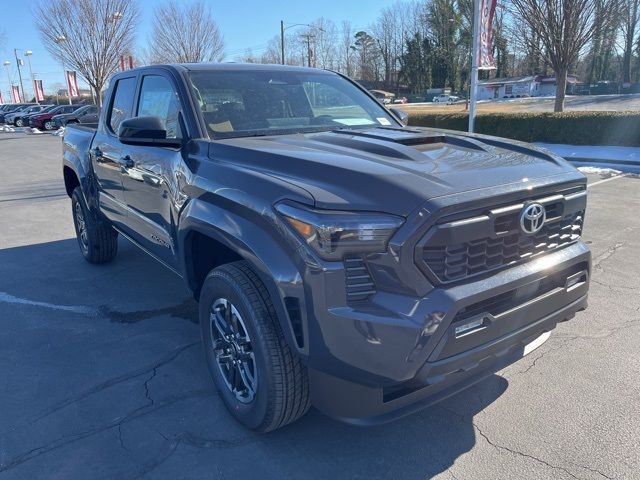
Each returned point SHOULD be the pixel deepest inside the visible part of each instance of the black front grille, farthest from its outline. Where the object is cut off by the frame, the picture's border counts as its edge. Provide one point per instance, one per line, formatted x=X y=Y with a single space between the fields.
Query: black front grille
x=492 y=239
x=359 y=284
x=455 y=262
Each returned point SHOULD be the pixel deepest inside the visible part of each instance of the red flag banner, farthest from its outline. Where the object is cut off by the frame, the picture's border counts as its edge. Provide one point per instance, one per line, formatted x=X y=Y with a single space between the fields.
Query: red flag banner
x=487 y=11
x=15 y=94
x=72 y=84
x=126 y=62
x=39 y=91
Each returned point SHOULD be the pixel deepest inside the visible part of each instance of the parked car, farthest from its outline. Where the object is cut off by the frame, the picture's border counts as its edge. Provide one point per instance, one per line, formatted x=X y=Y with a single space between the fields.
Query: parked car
x=14 y=107
x=44 y=119
x=63 y=119
x=89 y=117
x=27 y=118
x=18 y=118
x=335 y=261
x=444 y=98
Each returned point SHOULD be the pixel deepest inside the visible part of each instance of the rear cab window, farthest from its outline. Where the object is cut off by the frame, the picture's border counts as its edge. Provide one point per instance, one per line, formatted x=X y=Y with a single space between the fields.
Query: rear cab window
x=121 y=104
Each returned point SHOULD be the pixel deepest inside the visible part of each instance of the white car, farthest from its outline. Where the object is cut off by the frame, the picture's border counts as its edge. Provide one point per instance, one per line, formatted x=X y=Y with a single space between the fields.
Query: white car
x=444 y=98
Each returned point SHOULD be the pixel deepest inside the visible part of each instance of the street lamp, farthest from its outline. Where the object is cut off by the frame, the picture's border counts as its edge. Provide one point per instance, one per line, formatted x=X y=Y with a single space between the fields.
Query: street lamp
x=6 y=64
x=19 y=63
x=59 y=40
x=283 y=28
x=28 y=54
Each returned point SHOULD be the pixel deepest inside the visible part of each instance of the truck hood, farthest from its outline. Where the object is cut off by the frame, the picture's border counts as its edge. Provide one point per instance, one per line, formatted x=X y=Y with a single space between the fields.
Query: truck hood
x=393 y=170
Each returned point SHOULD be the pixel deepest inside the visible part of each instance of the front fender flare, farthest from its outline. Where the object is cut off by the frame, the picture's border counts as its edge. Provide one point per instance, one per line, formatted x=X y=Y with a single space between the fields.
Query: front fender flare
x=257 y=244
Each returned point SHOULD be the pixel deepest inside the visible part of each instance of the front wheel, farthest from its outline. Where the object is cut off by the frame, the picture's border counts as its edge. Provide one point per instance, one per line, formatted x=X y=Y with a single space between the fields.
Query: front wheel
x=19 y=122
x=261 y=381
x=48 y=125
x=98 y=242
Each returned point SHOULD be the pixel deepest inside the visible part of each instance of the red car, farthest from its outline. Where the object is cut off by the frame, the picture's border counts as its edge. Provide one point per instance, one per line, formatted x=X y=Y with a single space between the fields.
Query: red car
x=45 y=120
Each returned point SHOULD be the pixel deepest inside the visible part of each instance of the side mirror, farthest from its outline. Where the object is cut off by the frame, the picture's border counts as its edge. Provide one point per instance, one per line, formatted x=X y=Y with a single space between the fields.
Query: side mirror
x=401 y=115
x=148 y=131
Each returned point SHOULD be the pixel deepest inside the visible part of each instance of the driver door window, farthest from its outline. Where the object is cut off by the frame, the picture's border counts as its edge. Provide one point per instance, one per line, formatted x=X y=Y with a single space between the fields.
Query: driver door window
x=158 y=98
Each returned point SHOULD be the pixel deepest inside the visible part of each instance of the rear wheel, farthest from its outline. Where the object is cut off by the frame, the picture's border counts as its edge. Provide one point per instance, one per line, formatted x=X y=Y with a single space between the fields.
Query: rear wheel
x=48 y=125
x=260 y=380
x=98 y=242
x=19 y=122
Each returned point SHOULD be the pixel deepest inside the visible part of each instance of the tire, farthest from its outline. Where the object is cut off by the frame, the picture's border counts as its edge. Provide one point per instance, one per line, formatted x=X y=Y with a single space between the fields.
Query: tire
x=98 y=242
x=19 y=122
x=48 y=125
x=271 y=387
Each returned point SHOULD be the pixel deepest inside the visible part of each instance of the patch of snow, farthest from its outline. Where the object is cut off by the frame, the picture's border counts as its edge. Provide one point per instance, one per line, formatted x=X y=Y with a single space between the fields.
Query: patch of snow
x=610 y=153
x=600 y=171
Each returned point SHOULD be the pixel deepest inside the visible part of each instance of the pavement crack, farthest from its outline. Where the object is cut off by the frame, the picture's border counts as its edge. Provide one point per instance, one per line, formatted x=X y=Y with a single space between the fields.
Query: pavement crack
x=170 y=357
x=117 y=423
x=120 y=438
x=191 y=440
x=542 y=354
x=147 y=393
x=499 y=447
x=597 y=261
x=504 y=448
x=611 y=287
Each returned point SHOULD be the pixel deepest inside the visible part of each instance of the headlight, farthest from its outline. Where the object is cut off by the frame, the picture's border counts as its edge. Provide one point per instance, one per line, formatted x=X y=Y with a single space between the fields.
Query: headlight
x=334 y=234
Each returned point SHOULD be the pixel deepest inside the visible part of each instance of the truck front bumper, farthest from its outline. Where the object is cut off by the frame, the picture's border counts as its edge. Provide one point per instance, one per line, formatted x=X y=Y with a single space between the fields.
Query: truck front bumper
x=370 y=368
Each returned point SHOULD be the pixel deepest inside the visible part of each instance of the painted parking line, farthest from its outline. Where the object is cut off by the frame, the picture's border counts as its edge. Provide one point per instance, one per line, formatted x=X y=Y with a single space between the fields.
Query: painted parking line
x=7 y=298
x=615 y=177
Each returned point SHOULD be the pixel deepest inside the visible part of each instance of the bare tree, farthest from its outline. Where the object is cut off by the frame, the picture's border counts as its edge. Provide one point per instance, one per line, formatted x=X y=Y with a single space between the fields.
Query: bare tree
x=346 y=54
x=88 y=35
x=565 y=27
x=185 y=34
x=629 y=28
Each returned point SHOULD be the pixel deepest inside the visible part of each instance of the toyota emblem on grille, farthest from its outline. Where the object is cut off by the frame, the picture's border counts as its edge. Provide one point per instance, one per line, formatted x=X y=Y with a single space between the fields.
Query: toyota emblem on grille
x=532 y=218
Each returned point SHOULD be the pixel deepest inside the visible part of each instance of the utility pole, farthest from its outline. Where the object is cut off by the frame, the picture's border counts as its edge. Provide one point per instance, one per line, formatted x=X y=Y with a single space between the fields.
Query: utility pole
x=282 y=41
x=475 y=53
x=308 y=37
x=18 y=62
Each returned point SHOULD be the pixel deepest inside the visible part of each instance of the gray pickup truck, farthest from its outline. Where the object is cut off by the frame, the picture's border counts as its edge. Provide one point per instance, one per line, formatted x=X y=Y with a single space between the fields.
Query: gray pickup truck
x=339 y=257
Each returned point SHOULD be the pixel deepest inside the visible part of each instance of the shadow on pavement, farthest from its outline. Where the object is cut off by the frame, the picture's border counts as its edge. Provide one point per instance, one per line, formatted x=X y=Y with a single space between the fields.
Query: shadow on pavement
x=164 y=419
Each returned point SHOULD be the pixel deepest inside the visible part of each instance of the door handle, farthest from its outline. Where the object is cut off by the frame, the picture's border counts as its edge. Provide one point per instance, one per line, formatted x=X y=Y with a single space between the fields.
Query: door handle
x=126 y=161
x=98 y=154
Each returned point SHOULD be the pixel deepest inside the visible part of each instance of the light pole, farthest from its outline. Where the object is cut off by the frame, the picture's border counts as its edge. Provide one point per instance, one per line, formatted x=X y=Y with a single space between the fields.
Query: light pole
x=59 y=40
x=282 y=29
x=28 y=54
x=18 y=64
x=6 y=64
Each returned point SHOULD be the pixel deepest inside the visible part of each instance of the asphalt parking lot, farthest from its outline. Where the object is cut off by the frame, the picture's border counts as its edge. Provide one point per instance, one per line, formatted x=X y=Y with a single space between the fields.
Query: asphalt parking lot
x=102 y=373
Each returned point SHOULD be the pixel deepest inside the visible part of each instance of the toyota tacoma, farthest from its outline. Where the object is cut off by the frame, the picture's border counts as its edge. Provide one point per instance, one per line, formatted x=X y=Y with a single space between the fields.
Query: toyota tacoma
x=340 y=258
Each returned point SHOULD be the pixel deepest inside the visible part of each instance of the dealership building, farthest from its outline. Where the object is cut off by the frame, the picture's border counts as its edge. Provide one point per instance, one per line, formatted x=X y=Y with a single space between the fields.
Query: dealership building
x=531 y=86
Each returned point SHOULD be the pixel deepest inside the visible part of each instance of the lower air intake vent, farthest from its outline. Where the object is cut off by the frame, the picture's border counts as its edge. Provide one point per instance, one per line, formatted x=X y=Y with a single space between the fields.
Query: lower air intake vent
x=359 y=284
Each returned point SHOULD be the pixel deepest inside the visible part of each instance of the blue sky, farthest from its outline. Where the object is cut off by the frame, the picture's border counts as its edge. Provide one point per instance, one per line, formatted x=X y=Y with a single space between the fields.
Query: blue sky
x=244 y=24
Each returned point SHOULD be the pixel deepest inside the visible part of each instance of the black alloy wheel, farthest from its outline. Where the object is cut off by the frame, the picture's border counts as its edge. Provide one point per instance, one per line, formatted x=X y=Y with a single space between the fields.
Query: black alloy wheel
x=232 y=350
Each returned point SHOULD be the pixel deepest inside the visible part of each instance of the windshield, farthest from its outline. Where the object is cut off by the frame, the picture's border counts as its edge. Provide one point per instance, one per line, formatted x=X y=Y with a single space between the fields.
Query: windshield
x=246 y=103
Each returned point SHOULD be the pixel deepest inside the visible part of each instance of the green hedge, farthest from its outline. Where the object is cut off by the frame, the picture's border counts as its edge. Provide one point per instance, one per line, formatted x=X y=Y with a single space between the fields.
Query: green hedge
x=573 y=128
